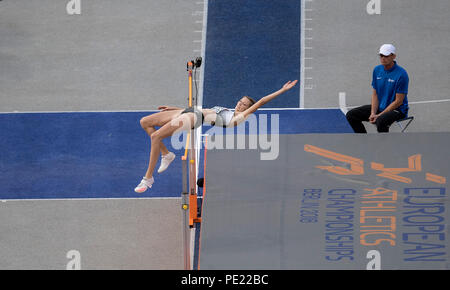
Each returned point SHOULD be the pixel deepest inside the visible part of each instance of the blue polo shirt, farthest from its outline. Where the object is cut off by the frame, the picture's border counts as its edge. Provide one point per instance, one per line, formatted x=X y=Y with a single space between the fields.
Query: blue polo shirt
x=387 y=83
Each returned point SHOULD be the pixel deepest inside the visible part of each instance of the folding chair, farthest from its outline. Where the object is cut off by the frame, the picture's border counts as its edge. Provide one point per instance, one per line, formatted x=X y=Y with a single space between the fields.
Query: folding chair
x=408 y=119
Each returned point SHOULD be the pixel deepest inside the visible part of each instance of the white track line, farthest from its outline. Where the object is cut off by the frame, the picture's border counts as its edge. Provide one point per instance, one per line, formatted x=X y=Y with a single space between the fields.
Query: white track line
x=201 y=96
x=297 y=109
x=64 y=112
x=343 y=102
x=200 y=87
x=428 y=102
x=302 y=55
x=87 y=198
x=416 y=103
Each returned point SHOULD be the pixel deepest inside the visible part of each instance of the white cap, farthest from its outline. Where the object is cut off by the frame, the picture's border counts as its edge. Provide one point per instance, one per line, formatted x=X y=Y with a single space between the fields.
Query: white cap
x=387 y=49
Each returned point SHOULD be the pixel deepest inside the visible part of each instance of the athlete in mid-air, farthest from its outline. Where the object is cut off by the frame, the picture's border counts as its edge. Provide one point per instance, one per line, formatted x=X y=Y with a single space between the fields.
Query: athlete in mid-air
x=172 y=120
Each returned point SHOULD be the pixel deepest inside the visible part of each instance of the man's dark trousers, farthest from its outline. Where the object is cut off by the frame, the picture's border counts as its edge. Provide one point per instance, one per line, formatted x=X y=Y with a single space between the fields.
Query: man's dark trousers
x=357 y=115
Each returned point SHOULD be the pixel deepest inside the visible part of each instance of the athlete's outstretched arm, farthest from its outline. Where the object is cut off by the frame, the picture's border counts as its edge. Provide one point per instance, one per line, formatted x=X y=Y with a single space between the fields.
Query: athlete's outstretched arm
x=264 y=100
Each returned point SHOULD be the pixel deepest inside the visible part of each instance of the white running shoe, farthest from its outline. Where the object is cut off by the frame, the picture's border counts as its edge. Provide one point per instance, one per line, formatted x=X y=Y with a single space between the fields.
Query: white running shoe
x=165 y=161
x=145 y=183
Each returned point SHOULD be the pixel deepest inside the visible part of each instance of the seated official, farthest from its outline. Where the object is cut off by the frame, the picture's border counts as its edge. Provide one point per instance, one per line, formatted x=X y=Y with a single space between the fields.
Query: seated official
x=389 y=95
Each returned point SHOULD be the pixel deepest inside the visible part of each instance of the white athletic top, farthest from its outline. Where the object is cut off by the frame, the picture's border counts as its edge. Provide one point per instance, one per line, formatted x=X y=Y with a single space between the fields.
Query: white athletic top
x=224 y=116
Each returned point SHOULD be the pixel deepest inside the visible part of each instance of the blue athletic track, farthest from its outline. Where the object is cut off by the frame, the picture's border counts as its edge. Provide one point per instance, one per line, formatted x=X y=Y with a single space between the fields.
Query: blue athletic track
x=76 y=155
x=93 y=155
x=252 y=48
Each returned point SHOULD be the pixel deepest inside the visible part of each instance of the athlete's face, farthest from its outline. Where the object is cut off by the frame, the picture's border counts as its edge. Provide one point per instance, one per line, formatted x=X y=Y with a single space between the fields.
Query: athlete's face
x=387 y=60
x=242 y=105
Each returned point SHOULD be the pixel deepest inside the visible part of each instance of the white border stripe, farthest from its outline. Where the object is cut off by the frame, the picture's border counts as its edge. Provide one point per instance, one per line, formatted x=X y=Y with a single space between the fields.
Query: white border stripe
x=415 y=103
x=68 y=112
x=302 y=55
x=297 y=109
x=86 y=199
x=203 y=52
x=343 y=102
x=201 y=87
x=428 y=102
x=200 y=93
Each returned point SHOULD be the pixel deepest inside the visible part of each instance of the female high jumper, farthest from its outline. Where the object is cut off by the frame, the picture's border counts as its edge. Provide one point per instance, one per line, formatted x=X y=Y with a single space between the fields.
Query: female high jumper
x=173 y=120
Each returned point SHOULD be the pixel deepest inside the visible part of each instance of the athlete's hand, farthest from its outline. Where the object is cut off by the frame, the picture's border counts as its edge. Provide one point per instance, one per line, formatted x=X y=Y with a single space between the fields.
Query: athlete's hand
x=289 y=85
